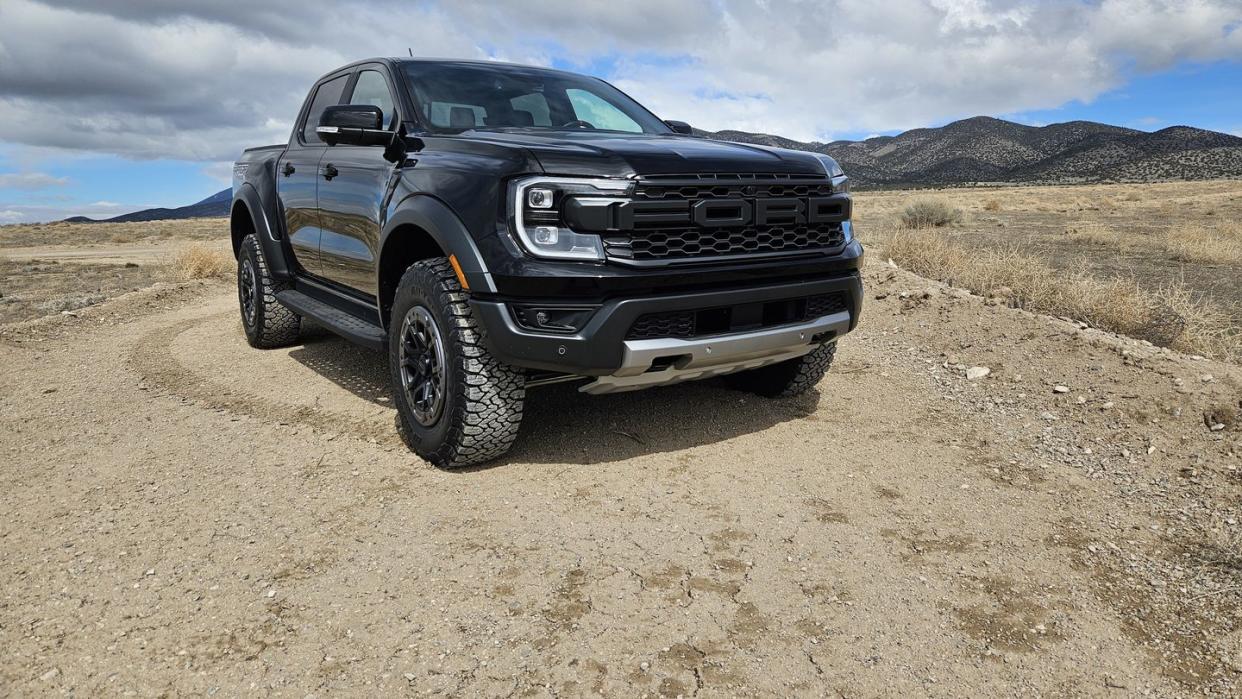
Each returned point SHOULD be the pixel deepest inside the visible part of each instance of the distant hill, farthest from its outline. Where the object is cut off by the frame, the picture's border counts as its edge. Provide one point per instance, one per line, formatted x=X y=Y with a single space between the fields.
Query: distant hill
x=984 y=150
x=216 y=205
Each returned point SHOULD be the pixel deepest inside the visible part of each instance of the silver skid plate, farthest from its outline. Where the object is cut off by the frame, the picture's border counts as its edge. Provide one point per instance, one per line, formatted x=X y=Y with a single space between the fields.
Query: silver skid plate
x=701 y=358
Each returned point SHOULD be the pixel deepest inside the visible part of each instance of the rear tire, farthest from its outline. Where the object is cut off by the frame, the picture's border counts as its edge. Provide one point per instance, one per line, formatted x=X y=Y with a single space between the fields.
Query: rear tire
x=786 y=379
x=457 y=404
x=268 y=324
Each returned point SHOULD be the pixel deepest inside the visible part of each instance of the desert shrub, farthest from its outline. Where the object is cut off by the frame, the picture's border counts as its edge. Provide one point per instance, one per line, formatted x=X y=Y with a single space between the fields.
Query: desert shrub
x=929 y=213
x=991 y=205
x=198 y=261
x=1171 y=316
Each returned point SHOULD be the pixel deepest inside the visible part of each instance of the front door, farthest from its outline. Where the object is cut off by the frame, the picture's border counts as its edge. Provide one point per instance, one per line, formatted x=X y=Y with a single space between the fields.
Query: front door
x=297 y=178
x=353 y=187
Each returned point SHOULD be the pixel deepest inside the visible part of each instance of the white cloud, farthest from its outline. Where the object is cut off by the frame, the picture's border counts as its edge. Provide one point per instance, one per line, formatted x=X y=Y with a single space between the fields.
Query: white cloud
x=220 y=172
x=30 y=180
x=148 y=79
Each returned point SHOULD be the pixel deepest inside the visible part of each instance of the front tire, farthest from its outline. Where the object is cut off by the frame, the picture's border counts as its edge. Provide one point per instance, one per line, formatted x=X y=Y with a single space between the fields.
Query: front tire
x=267 y=323
x=789 y=378
x=457 y=404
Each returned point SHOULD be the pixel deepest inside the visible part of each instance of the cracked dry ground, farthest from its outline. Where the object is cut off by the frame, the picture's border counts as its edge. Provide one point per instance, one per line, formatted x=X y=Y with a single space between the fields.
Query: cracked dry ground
x=181 y=514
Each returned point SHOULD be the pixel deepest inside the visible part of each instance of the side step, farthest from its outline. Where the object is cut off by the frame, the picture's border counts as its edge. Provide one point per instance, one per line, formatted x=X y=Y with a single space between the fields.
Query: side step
x=350 y=327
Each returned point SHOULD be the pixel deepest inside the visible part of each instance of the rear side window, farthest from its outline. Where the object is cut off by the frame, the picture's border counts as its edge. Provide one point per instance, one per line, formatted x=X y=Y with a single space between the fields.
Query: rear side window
x=372 y=89
x=326 y=95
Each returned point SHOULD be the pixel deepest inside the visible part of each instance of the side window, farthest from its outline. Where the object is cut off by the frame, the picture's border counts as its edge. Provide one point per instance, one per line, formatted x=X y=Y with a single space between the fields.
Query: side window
x=372 y=89
x=328 y=94
x=534 y=104
x=594 y=109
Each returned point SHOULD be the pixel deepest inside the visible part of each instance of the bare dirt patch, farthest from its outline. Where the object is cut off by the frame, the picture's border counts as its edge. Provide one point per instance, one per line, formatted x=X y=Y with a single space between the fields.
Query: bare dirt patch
x=39 y=287
x=181 y=514
x=50 y=279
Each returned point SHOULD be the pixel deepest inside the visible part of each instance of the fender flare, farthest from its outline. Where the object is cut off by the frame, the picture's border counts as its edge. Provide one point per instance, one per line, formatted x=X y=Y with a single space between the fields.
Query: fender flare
x=273 y=251
x=446 y=229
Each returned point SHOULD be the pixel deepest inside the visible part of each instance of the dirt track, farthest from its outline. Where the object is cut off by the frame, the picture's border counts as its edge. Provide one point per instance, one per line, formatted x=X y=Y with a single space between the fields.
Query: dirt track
x=182 y=514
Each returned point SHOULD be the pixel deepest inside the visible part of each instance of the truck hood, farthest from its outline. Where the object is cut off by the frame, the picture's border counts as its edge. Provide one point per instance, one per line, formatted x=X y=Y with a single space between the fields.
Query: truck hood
x=611 y=154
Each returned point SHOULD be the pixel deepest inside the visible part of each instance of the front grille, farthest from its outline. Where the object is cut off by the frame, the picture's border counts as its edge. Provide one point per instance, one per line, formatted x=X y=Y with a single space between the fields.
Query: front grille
x=739 y=318
x=671 y=324
x=650 y=239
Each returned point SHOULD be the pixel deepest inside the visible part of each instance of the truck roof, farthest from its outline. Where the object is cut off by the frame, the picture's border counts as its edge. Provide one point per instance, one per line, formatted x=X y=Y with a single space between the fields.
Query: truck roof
x=396 y=61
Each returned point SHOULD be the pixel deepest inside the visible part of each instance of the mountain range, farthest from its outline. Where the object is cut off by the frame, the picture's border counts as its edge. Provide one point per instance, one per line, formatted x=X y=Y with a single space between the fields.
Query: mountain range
x=216 y=205
x=984 y=150
x=976 y=151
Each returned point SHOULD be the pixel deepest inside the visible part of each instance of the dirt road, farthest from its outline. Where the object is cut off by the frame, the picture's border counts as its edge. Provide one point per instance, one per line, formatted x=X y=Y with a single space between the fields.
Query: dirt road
x=182 y=514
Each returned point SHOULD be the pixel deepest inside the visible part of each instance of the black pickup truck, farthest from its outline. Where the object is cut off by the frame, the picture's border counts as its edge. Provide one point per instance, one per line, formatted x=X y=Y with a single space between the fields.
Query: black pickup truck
x=494 y=227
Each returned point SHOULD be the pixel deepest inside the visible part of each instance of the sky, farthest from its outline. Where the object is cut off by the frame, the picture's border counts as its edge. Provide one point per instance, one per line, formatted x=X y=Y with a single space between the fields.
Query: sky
x=109 y=106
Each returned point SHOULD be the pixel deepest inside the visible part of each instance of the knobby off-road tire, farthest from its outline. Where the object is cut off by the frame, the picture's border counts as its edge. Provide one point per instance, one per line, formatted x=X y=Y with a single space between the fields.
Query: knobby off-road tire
x=268 y=324
x=789 y=378
x=481 y=407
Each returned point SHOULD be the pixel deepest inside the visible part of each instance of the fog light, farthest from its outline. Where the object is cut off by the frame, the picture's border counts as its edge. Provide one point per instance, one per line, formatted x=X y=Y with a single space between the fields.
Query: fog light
x=539 y=198
x=557 y=320
x=546 y=235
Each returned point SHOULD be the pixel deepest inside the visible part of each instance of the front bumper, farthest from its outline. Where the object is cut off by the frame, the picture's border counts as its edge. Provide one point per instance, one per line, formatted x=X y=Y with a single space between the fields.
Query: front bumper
x=601 y=349
x=661 y=362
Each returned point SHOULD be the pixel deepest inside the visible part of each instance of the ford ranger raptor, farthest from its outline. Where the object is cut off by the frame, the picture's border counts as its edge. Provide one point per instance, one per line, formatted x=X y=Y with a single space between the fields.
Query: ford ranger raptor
x=495 y=227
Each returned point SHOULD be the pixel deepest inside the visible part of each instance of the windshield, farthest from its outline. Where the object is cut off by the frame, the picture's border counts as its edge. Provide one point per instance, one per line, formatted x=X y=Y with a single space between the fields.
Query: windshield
x=454 y=97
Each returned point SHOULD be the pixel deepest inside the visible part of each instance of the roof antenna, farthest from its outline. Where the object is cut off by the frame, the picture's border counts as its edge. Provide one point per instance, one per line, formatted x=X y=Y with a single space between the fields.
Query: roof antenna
x=411 y=51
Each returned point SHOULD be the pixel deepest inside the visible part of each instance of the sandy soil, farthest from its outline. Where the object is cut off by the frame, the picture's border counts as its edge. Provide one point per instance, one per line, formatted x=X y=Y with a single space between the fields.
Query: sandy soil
x=182 y=514
x=107 y=254
x=48 y=279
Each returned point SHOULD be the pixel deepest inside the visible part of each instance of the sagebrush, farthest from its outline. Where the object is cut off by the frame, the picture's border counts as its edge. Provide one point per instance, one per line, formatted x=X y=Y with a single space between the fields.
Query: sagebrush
x=199 y=261
x=930 y=213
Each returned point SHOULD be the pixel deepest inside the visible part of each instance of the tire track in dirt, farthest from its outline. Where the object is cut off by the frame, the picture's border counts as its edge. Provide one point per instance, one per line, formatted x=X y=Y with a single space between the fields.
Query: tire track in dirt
x=153 y=361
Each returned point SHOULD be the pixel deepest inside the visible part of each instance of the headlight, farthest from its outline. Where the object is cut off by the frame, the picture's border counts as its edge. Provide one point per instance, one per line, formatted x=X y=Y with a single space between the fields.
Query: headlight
x=537 y=216
x=833 y=169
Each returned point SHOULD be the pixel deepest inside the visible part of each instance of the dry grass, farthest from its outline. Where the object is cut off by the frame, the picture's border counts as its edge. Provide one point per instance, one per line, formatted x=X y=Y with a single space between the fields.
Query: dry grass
x=199 y=261
x=1211 y=245
x=929 y=213
x=1093 y=233
x=77 y=234
x=1169 y=316
x=1218 y=244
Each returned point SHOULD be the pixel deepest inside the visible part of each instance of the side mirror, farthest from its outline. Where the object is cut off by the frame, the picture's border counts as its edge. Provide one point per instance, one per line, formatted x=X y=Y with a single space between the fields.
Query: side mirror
x=680 y=127
x=353 y=125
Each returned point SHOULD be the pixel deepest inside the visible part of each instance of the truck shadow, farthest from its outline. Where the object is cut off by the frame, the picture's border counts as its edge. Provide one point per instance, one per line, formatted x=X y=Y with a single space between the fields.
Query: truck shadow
x=563 y=425
x=358 y=370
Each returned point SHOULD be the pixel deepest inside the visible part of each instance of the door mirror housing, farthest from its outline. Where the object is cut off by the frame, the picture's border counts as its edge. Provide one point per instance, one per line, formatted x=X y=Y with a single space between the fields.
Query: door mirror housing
x=680 y=127
x=353 y=125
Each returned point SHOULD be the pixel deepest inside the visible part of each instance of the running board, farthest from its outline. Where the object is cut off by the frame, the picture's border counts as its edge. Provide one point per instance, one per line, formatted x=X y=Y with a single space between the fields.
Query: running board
x=350 y=327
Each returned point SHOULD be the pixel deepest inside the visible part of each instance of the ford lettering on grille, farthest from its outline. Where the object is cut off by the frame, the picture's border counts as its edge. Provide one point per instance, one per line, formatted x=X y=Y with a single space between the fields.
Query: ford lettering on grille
x=716 y=213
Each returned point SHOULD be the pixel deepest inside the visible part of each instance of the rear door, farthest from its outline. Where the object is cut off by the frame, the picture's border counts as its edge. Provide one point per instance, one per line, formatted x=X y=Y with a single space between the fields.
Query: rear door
x=297 y=176
x=353 y=190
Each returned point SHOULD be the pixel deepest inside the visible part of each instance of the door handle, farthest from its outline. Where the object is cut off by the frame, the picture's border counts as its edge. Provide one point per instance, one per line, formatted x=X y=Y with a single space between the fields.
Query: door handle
x=288 y=169
x=329 y=171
